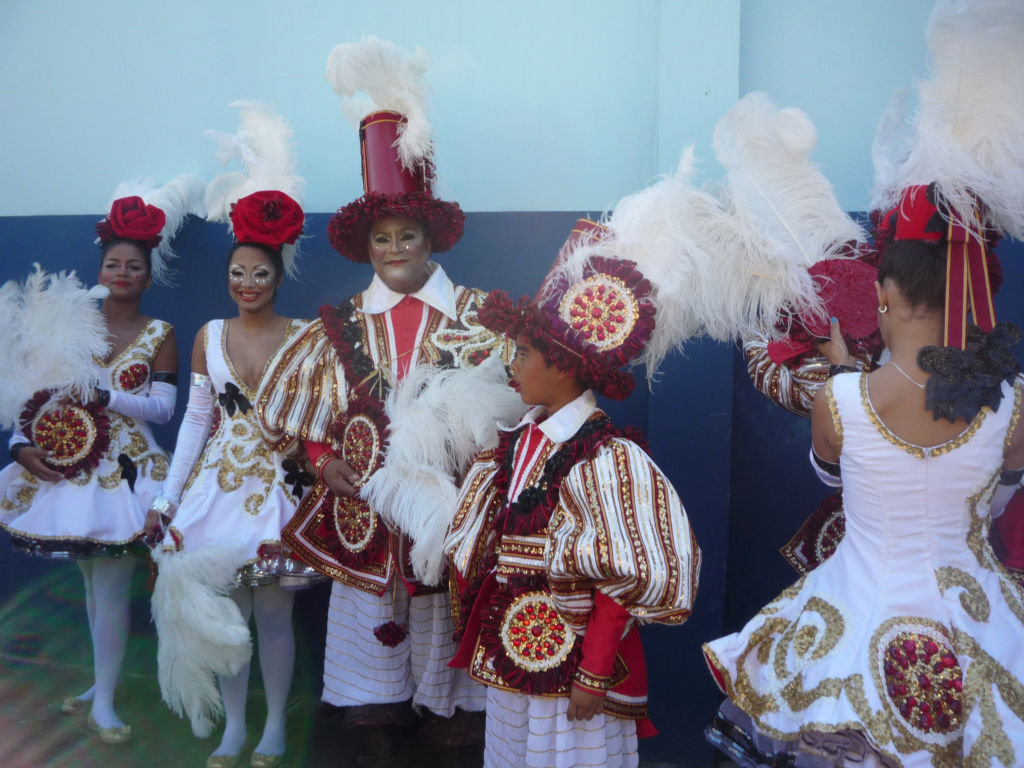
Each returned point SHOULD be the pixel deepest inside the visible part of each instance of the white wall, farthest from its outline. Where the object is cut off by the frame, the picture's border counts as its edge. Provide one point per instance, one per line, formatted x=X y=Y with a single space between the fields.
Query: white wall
x=538 y=104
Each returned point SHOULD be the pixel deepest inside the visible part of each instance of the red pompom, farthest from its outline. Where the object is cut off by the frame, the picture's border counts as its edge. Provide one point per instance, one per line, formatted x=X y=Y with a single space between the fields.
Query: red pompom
x=131 y=219
x=269 y=217
x=391 y=634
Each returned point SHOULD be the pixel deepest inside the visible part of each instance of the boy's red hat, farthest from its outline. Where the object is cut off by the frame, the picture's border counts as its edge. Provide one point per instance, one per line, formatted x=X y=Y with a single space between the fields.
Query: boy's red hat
x=589 y=322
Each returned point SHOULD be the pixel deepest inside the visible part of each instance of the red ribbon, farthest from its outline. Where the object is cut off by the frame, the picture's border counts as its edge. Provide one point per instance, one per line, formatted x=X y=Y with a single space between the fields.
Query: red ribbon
x=967 y=280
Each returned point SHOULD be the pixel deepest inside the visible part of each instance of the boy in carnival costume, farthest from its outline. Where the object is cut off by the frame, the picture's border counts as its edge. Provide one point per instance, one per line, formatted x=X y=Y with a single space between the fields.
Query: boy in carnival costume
x=389 y=635
x=568 y=536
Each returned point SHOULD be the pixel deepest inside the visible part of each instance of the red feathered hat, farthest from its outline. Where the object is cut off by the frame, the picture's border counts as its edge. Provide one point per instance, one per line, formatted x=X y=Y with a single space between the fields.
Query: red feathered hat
x=391 y=189
x=589 y=319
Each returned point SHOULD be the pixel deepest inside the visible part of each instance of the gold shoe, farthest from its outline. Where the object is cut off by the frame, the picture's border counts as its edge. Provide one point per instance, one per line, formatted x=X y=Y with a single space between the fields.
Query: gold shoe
x=73 y=705
x=263 y=760
x=222 y=761
x=116 y=735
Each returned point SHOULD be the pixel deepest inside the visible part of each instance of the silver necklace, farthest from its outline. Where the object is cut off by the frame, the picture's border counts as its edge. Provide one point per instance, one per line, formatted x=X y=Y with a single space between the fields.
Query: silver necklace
x=906 y=375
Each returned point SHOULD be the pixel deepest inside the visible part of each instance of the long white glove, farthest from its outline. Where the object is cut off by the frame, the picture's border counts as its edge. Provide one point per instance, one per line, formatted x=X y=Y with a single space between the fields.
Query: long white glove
x=156 y=407
x=192 y=436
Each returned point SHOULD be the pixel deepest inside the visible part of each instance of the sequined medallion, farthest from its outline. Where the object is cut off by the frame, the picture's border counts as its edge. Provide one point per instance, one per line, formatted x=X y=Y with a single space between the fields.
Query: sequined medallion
x=533 y=634
x=600 y=309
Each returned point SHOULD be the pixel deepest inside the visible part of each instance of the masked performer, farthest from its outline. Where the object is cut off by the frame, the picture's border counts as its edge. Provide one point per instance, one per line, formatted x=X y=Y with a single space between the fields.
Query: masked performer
x=227 y=495
x=388 y=633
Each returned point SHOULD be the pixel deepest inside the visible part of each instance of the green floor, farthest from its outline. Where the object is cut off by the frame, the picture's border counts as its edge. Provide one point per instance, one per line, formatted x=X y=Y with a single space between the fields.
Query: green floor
x=45 y=655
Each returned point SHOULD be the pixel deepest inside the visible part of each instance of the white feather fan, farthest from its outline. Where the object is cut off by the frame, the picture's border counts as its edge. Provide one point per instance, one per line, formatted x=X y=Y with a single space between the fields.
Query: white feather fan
x=393 y=80
x=200 y=631
x=264 y=143
x=969 y=126
x=53 y=333
x=177 y=199
x=440 y=419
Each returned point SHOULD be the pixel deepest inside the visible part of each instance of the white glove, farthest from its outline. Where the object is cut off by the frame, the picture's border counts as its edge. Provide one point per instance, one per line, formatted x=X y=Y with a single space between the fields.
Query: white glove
x=192 y=436
x=156 y=407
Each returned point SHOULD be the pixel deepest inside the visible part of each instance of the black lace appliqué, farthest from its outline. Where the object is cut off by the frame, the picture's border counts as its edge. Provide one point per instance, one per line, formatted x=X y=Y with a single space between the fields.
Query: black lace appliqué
x=963 y=381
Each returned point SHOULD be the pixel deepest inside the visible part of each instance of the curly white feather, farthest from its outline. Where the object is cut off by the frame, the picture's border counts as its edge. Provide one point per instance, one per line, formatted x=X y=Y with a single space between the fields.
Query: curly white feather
x=393 y=80
x=891 y=146
x=178 y=198
x=54 y=333
x=969 y=127
x=440 y=419
x=772 y=183
x=200 y=631
x=264 y=144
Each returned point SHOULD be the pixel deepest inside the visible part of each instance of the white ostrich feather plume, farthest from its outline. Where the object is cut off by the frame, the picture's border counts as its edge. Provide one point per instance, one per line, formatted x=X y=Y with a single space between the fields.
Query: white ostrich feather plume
x=264 y=144
x=890 y=149
x=178 y=198
x=782 y=216
x=393 y=80
x=772 y=184
x=969 y=126
x=440 y=419
x=53 y=333
x=200 y=631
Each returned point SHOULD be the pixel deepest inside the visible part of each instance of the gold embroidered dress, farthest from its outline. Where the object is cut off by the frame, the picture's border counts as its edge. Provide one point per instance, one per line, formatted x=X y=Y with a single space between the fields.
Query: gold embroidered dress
x=95 y=512
x=912 y=632
x=238 y=493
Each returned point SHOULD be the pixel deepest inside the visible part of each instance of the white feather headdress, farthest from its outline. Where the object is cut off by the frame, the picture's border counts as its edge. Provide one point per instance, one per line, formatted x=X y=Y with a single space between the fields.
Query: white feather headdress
x=53 y=334
x=177 y=199
x=393 y=80
x=264 y=143
x=968 y=130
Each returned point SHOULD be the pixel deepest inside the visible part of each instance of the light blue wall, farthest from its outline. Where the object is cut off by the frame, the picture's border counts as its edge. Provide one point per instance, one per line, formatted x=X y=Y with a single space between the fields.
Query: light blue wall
x=538 y=104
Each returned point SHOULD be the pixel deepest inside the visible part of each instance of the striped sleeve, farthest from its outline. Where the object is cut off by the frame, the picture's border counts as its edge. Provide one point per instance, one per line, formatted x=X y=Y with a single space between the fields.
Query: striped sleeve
x=303 y=390
x=620 y=528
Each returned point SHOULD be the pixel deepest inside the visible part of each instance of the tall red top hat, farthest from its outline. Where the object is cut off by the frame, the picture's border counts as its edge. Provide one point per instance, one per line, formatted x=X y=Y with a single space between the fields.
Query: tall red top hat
x=392 y=190
x=396 y=147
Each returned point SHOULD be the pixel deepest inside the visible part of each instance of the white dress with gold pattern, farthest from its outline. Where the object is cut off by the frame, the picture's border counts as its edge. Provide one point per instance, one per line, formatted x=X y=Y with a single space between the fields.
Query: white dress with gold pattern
x=239 y=494
x=912 y=632
x=95 y=512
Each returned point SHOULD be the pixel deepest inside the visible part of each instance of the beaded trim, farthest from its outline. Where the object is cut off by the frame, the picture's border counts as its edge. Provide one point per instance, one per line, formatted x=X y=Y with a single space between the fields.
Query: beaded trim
x=591 y=683
x=919 y=451
x=1018 y=390
x=833 y=409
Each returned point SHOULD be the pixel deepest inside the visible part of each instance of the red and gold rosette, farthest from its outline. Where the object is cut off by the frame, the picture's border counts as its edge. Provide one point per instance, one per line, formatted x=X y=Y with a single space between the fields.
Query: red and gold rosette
x=362 y=434
x=75 y=435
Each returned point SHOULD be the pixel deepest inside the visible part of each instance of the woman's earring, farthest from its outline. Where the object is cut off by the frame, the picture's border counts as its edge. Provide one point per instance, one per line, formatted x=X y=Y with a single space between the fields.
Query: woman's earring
x=882 y=309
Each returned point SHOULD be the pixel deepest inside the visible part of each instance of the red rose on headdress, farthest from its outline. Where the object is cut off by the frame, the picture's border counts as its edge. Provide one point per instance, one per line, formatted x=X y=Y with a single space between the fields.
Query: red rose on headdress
x=269 y=217
x=131 y=219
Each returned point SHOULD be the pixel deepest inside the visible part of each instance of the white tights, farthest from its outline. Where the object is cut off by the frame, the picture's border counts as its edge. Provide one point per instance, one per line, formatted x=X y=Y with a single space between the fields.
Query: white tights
x=107 y=591
x=272 y=607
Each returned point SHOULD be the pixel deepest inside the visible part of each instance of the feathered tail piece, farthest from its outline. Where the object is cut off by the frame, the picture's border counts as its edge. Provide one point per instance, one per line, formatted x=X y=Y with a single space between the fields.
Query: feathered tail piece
x=968 y=131
x=440 y=419
x=264 y=144
x=200 y=631
x=178 y=198
x=53 y=332
x=393 y=80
